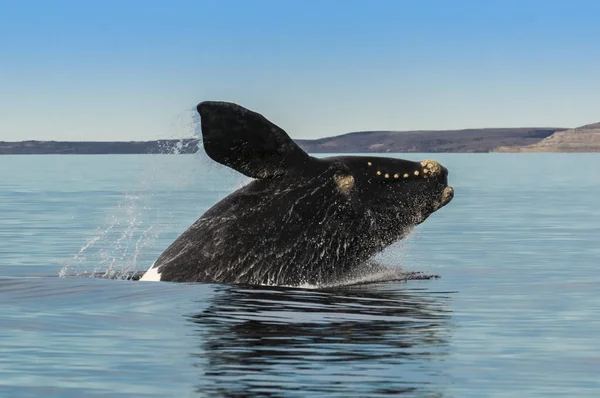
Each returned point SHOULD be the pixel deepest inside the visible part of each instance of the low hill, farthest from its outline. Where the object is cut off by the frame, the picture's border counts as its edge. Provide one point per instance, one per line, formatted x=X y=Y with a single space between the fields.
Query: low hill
x=469 y=140
x=98 y=147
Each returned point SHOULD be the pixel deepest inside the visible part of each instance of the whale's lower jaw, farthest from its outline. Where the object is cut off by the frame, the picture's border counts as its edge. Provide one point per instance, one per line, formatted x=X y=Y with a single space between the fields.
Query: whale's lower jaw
x=152 y=275
x=447 y=196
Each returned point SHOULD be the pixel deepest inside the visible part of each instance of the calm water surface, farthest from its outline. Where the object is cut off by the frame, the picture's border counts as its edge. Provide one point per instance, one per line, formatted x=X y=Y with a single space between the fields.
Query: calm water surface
x=516 y=311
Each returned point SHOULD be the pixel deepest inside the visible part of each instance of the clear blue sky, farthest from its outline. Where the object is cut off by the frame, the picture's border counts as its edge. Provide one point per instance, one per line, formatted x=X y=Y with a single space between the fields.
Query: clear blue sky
x=126 y=70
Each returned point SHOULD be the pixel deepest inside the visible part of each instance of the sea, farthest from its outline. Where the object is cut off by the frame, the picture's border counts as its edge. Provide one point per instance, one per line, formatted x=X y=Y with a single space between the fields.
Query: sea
x=515 y=311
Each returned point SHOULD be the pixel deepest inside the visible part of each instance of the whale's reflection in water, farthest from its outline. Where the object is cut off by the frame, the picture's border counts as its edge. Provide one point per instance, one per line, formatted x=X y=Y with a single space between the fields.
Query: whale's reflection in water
x=356 y=341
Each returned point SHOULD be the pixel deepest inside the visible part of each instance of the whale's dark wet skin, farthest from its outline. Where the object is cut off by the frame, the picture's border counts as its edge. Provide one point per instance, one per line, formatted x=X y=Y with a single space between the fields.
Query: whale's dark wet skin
x=302 y=220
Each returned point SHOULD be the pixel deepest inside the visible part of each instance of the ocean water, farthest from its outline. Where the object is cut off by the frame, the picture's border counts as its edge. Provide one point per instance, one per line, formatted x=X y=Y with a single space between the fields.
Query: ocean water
x=515 y=312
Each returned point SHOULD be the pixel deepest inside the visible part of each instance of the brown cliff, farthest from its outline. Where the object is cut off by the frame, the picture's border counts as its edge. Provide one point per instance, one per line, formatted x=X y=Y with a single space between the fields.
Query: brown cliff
x=582 y=139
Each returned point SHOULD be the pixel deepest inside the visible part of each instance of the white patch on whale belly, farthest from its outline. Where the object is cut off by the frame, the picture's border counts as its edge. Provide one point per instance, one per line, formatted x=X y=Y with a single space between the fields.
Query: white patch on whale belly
x=152 y=275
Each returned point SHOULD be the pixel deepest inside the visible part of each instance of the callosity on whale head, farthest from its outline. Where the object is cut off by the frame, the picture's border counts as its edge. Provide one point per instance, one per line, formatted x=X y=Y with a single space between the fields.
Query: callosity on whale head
x=302 y=220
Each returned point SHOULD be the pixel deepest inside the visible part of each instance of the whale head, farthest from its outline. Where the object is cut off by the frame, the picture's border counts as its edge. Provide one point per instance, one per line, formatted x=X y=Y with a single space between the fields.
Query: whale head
x=402 y=191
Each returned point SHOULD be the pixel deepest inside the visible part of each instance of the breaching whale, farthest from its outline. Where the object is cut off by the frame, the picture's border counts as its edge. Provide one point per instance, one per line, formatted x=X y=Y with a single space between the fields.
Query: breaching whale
x=302 y=220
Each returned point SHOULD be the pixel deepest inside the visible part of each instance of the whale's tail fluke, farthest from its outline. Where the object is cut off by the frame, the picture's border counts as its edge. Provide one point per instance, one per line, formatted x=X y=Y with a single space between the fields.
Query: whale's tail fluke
x=246 y=141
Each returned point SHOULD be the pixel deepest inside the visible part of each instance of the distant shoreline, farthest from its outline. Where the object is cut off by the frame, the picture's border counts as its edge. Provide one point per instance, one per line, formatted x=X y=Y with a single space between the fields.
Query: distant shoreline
x=444 y=141
x=183 y=146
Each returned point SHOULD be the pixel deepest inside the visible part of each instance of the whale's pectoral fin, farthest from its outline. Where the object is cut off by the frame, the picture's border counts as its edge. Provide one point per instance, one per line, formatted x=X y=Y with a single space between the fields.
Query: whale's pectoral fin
x=246 y=141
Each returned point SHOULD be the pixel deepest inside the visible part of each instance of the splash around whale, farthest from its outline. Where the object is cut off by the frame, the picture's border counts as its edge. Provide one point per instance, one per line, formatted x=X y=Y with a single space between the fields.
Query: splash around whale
x=302 y=220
